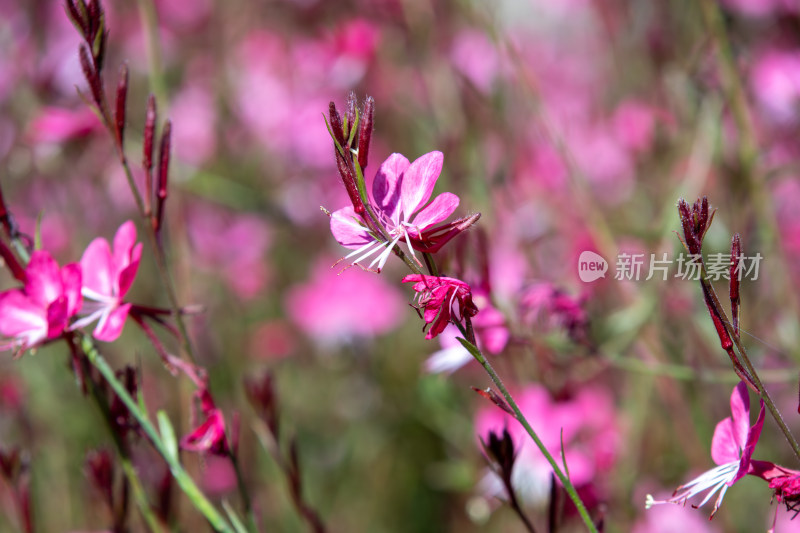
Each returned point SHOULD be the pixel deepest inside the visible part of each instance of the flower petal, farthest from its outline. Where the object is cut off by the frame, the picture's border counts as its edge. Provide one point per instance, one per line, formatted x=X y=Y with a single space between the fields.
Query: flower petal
x=723 y=445
x=71 y=280
x=127 y=274
x=418 y=182
x=387 y=184
x=347 y=231
x=740 y=411
x=124 y=241
x=19 y=315
x=752 y=439
x=43 y=279
x=97 y=265
x=110 y=326
x=438 y=210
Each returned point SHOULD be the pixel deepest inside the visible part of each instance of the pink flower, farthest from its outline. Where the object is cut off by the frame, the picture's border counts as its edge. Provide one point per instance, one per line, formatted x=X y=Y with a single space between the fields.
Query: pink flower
x=400 y=191
x=107 y=276
x=42 y=309
x=208 y=437
x=731 y=449
x=436 y=296
x=333 y=308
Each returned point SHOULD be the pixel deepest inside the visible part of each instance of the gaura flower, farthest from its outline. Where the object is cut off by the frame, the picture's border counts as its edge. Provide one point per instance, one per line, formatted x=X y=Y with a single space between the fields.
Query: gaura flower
x=208 y=437
x=400 y=191
x=107 y=276
x=731 y=449
x=436 y=296
x=42 y=308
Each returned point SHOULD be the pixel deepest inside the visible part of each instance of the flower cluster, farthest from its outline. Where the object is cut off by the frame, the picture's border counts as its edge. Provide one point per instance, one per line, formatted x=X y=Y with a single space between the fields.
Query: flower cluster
x=43 y=309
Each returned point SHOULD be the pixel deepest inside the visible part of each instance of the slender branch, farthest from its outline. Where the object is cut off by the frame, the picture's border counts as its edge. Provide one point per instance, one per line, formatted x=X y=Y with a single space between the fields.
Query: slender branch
x=568 y=486
x=183 y=479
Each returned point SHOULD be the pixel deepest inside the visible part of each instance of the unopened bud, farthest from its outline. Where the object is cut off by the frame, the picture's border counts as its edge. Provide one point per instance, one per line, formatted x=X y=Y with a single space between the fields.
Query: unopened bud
x=365 y=132
x=122 y=96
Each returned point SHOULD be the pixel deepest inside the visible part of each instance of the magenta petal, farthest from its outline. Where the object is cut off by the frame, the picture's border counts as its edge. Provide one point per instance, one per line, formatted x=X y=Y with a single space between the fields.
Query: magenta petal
x=387 y=184
x=110 y=327
x=438 y=210
x=752 y=439
x=723 y=445
x=740 y=411
x=18 y=314
x=124 y=241
x=418 y=182
x=71 y=280
x=127 y=274
x=43 y=279
x=56 y=317
x=346 y=230
x=98 y=267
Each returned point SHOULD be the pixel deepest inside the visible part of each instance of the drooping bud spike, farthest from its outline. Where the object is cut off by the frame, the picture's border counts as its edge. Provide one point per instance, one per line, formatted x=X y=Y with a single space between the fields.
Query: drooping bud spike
x=77 y=17
x=365 y=132
x=92 y=78
x=350 y=114
x=149 y=132
x=163 y=172
x=122 y=97
x=336 y=124
x=735 y=277
x=349 y=179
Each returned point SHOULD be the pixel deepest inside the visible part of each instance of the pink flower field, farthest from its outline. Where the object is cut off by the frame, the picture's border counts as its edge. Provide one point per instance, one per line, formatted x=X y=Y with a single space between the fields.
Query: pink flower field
x=400 y=266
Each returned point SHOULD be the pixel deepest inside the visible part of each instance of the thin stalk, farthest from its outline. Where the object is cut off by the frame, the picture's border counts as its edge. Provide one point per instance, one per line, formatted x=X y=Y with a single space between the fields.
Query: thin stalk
x=568 y=486
x=187 y=484
x=243 y=493
x=748 y=365
x=573 y=494
x=124 y=457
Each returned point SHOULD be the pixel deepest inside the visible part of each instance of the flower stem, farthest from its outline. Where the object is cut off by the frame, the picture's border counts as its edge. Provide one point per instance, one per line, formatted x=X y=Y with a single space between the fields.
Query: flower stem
x=187 y=484
x=748 y=365
x=568 y=486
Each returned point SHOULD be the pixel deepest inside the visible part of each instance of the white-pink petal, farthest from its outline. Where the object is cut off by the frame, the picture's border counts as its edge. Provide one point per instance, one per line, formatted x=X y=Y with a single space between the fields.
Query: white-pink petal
x=438 y=210
x=346 y=229
x=418 y=182
x=387 y=185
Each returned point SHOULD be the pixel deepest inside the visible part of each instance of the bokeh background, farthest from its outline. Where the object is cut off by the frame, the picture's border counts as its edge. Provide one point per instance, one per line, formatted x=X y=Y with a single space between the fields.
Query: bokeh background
x=570 y=125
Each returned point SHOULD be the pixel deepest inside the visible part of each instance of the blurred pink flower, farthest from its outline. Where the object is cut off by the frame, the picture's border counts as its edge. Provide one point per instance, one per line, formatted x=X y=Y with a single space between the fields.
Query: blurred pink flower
x=436 y=296
x=634 y=125
x=775 y=81
x=400 y=191
x=587 y=423
x=42 y=309
x=761 y=8
x=194 y=127
x=107 y=277
x=476 y=58
x=670 y=519
x=57 y=124
x=232 y=244
x=731 y=449
x=333 y=308
x=209 y=436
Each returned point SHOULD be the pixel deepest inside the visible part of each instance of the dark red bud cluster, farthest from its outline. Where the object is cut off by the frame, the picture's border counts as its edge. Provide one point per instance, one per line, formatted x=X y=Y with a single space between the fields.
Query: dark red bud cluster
x=735 y=274
x=695 y=221
x=352 y=133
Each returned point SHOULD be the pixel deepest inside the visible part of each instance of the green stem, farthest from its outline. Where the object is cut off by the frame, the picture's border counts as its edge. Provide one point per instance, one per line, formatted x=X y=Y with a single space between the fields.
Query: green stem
x=748 y=365
x=183 y=479
x=568 y=486
x=573 y=494
x=243 y=493
x=124 y=455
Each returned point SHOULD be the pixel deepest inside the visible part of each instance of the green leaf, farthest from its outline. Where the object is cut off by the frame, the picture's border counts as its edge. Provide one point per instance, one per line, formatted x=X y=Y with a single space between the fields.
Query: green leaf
x=167 y=435
x=472 y=349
